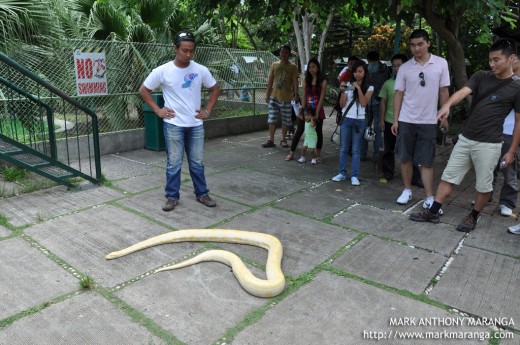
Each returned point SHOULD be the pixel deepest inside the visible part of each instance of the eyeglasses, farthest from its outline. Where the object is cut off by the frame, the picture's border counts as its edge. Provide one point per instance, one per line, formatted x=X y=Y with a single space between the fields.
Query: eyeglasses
x=423 y=82
x=184 y=36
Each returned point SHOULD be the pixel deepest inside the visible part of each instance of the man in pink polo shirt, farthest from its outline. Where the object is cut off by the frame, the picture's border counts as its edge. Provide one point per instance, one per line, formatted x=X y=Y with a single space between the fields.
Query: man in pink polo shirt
x=421 y=84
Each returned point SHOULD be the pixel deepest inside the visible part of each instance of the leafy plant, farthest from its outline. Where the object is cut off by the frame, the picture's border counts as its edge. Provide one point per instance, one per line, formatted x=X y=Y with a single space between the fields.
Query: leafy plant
x=12 y=174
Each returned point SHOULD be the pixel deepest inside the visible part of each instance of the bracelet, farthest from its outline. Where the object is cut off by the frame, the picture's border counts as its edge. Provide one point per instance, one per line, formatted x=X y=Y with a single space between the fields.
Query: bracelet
x=207 y=112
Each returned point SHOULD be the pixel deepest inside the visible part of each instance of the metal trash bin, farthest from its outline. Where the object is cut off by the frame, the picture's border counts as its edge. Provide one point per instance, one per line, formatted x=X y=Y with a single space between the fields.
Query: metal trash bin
x=153 y=125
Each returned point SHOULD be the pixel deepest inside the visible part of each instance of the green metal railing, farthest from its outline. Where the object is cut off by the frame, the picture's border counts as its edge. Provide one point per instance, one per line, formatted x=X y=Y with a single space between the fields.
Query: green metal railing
x=44 y=118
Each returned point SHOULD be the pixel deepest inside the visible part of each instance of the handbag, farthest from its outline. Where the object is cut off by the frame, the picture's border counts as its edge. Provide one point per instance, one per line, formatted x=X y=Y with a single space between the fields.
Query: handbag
x=370 y=134
x=335 y=136
x=477 y=98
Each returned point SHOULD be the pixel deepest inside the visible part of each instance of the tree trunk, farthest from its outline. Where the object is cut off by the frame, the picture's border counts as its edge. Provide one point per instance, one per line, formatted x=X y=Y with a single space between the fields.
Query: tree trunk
x=298 y=34
x=324 y=34
x=449 y=34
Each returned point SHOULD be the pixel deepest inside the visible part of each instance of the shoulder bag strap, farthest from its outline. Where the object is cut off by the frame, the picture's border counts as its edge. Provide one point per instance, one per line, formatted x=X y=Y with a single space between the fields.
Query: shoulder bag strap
x=477 y=98
x=348 y=108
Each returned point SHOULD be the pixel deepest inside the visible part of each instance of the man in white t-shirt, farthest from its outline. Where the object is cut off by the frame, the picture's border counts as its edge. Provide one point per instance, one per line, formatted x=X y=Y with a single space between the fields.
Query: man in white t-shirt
x=181 y=81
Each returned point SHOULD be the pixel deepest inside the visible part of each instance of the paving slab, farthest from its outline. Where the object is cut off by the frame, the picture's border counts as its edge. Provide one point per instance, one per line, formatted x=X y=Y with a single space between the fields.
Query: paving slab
x=29 y=278
x=84 y=319
x=116 y=167
x=302 y=171
x=189 y=214
x=8 y=189
x=306 y=242
x=442 y=238
x=253 y=187
x=226 y=160
x=384 y=197
x=83 y=239
x=314 y=203
x=491 y=234
x=141 y=183
x=392 y=264
x=4 y=232
x=196 y=303
x=335 y=310
x=481 y=283
x=48 y=203
x=510 y=338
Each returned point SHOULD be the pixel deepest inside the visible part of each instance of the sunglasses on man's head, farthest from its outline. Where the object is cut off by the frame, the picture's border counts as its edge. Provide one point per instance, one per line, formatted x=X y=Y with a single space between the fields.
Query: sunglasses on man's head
x=184 y=36
x=423 y=82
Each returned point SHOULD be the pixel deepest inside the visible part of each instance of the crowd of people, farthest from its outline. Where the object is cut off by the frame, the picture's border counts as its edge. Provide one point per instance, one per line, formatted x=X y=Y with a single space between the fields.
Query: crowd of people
x=405 y=106
x=400 y=105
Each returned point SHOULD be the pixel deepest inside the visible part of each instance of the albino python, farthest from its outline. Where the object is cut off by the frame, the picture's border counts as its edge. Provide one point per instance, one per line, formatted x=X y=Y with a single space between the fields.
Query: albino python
x=273 y=286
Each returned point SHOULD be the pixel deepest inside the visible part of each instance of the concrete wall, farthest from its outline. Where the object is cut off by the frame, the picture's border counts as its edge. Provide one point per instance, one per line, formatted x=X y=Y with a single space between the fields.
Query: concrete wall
x=135 y=139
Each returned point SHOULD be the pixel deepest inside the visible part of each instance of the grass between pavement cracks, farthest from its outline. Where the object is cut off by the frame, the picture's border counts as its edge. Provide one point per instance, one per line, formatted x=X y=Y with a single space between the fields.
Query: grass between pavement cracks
x=86 y=282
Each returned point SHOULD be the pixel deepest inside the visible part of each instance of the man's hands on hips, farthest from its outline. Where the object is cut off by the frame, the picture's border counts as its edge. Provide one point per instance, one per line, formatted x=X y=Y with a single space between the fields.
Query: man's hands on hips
x=202 y=114
x=165 y=113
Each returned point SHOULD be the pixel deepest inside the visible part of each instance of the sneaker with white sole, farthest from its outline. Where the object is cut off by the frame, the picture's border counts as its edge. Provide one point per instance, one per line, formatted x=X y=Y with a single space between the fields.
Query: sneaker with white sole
x=313 y=161
x=505 y=211
x=405 y=197
x=514 y=229
x=338 y=178
x=354 y=181
x=428 y=202
x=302 y=160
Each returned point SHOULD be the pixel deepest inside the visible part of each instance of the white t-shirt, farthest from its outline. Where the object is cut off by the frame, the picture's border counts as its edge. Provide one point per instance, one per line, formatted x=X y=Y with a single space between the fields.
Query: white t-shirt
x=181 y=90
x=509 y=123
x=356 y=111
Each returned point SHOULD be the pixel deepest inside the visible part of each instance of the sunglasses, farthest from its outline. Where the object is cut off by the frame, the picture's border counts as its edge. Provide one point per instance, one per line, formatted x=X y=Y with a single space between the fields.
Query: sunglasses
x=184 y=36
x=423 y=82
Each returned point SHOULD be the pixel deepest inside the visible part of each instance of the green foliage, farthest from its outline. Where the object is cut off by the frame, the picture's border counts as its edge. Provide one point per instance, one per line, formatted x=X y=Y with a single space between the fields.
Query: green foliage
x=12 y=174
x=382 y=41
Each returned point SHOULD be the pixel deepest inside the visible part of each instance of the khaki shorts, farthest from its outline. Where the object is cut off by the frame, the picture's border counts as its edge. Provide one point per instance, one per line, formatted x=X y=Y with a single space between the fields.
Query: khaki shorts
x=468 y=153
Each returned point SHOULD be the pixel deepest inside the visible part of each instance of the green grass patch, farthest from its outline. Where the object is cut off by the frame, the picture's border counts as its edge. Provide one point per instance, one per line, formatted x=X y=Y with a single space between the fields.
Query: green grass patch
x=13 y=174
x=87 y=282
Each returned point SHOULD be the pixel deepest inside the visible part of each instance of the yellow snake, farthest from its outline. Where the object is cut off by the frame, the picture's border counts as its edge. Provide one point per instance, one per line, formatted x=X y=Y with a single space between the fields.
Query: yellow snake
x=273 y=286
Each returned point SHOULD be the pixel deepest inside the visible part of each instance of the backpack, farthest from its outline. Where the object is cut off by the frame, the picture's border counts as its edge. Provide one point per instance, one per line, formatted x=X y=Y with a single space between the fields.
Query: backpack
x=378 y=78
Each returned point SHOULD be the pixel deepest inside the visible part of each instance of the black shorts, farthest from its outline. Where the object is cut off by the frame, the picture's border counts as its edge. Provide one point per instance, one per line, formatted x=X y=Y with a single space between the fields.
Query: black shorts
x=416 y=142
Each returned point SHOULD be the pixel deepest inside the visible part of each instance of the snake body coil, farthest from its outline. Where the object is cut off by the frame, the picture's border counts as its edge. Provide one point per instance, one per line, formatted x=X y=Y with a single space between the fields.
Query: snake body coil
x=275 y=282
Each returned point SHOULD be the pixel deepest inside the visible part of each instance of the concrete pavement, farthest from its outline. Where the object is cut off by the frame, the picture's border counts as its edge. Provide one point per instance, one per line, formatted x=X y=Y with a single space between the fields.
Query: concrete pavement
x=358 y=271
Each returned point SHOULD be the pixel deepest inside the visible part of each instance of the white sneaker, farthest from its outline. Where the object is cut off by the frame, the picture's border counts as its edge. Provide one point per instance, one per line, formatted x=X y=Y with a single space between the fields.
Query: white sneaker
x=505 y=211
x=428 y=202
x=302 y=160
x=338 y=178
x=354 y=181
x=313 y=161
x=405 y=197
x=514 y=229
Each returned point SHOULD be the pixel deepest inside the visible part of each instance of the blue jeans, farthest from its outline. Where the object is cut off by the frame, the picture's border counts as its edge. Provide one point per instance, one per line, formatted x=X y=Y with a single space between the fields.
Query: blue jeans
x=378 y=141
x=349 y=136
x=177 y=140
